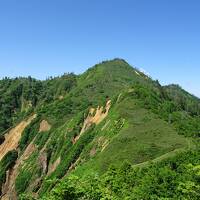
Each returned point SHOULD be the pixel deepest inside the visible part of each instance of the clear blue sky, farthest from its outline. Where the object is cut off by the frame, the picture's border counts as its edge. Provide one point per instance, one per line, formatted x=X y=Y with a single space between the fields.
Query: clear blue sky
x=50 y=37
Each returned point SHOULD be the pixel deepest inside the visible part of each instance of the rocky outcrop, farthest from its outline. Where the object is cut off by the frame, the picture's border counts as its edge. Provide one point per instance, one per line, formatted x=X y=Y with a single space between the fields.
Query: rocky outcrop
x=43 y=161
x=95 y=116
x=8 y=189
x=44 y=126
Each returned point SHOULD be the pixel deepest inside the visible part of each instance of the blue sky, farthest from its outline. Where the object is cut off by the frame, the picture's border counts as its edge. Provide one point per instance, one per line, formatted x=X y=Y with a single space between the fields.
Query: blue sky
x=50 y=37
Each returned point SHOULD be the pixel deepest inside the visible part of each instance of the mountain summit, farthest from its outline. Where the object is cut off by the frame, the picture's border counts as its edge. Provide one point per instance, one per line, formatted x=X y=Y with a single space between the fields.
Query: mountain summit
x=109 y=133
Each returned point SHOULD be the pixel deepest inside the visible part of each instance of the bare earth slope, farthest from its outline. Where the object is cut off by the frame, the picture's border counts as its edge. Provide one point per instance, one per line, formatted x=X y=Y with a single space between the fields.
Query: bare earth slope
x=13 y=136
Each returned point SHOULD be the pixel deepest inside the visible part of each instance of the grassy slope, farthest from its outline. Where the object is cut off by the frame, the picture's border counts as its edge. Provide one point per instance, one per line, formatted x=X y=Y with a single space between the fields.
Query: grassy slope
x=144 y=137
x=107 y=79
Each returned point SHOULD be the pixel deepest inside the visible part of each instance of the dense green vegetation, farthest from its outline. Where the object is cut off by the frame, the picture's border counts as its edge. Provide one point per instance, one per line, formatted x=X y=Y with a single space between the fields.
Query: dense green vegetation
x=185 y=121
x=153 y=130
x=182 y=98
x=20 y=96
x=174 y=178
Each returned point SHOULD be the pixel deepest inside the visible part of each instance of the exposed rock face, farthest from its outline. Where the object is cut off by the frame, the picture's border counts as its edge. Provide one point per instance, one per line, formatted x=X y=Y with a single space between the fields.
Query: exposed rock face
x=44 y=126
x=94 y=118
x=43 y=161
x=5 y=187
x=11 y=142
x=28 y=151
x=99 y=116
x=8 y=189
x=13 y=136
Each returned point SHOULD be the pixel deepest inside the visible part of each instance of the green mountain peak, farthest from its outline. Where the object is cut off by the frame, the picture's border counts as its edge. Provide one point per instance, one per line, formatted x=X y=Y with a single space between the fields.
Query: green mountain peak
x=109 y=133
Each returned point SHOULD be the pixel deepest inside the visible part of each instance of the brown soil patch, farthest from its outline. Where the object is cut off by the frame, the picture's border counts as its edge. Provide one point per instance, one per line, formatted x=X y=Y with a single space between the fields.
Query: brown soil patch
x=94 y=118
x=28 y=151
x=44 y=126
x=13 y=136
x=43 y=161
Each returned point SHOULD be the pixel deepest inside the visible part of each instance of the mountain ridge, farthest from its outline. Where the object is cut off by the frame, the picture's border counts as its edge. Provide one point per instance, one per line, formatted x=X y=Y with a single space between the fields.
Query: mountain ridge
x=86 y=123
